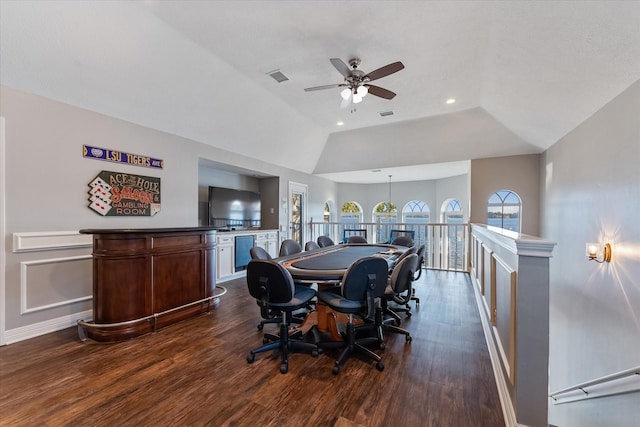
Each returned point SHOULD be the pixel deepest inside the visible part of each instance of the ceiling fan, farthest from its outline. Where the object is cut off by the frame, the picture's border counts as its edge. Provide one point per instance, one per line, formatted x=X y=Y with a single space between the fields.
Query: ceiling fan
x=356 y=82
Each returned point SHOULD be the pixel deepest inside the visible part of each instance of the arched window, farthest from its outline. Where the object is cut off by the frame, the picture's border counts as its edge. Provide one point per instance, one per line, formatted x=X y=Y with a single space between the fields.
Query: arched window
x=328 y=212
x=385 y=214
x=328 y=215
x=452 y=212
x=351 y=212
x=416 y=211
x=503 y=210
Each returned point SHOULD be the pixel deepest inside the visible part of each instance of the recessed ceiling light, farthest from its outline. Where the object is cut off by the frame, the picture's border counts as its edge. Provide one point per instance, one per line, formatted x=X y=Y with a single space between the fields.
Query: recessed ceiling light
x=339 y=123
x=451 y=101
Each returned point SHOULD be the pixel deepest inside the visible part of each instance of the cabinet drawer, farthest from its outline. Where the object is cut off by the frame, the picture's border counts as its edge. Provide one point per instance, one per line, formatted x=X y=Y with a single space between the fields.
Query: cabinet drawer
x=225 y=240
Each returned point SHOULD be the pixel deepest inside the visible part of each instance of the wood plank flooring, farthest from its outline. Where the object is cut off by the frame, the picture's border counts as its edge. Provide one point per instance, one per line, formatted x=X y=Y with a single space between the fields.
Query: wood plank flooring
x=195 y=373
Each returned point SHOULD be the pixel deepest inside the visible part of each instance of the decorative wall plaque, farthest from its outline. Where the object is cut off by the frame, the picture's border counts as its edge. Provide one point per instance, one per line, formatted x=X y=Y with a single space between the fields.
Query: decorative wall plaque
x=121 y=157
x=123 y=194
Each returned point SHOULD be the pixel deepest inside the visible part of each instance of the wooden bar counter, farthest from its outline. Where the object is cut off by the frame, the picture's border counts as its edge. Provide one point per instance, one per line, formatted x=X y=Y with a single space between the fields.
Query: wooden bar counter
x=145 y=279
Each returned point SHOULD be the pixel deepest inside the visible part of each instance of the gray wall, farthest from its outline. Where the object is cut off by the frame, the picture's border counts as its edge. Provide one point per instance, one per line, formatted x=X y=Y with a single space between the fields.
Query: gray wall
x=516 y=173
x=434 y=193
x=46 y=181
x=590 y=183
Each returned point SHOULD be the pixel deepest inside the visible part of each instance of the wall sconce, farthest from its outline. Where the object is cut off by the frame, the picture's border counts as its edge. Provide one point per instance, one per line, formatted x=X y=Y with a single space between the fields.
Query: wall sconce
x=599 y=253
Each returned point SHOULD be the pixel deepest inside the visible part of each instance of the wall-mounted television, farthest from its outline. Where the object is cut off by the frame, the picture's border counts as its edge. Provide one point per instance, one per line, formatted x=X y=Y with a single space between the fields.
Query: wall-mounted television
x=233 y=209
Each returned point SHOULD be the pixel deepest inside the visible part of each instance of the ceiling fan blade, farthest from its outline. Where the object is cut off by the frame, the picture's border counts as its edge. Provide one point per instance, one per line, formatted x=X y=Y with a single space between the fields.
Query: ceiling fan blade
x=341 y=66
x=384 y=71
x=381 y=92
x=309 y=89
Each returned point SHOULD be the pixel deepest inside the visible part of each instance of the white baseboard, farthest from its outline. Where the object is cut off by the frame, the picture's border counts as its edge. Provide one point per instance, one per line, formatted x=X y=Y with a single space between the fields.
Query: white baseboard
x=48 y=326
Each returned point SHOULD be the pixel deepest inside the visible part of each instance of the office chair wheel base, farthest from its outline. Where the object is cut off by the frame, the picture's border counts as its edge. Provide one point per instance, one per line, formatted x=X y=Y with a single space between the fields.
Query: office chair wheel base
x=314 y=353
x=409 y=338
x=409 y=314
x=251 y=358
x=381 y=346
x=396 y=322
x=336 y=370
x=284 y=368
x=260 y=326
x=265 y=340
x=380 y=366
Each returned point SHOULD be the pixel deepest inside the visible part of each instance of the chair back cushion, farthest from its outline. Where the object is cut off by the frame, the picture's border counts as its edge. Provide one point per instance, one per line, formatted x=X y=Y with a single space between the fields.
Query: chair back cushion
x=290 y=247
x=269 y=281
x=421 y=250
x=324 y=241
x=403 y=241
x=402 y=274
x=356 y=239
x=396 y=233
x=259 y=253
x=356 y=279
x=310 y=245
x=410 y=251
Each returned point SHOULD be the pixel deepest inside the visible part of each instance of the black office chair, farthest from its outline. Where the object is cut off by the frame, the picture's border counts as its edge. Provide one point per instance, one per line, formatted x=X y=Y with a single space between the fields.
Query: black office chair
x=402 y=300
x=348 y=232
x=397 y=233
x=310 y=245
x=420 y=253
x=324 y=241
x=421 y=250
x=363 y=283
x=258 y=252
x=272 y=285
x=357 y=239
x=411 y=250
x=289 y=247
x=268 y=316
x=398 y=288
x=403 y=241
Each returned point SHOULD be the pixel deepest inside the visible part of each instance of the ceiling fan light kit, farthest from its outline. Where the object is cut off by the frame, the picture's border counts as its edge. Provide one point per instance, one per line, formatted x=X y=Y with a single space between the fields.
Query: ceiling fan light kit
x=356 y=82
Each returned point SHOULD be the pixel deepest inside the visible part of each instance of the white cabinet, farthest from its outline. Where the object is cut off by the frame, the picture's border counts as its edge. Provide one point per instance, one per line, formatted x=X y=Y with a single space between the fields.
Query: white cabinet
x=271 y=244
x=226 y=249
x=269 y=241
x=224 y=256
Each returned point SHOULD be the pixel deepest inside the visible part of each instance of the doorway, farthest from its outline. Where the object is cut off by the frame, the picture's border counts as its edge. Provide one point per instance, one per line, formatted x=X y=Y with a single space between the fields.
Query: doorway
x=298 y=211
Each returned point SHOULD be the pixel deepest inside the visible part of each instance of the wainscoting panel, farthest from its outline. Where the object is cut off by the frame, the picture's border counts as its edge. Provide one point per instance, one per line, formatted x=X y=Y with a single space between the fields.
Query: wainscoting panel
x=505 y=314
x=54 y=282
x=474 y=257
x=487 y=283
x=50 y=240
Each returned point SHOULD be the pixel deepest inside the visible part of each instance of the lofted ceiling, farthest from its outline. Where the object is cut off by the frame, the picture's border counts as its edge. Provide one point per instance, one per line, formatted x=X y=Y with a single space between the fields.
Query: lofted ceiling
x=523 y=73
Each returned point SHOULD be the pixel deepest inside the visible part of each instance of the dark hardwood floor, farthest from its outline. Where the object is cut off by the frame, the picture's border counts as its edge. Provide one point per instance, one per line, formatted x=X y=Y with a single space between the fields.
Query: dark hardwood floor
x=195 y=373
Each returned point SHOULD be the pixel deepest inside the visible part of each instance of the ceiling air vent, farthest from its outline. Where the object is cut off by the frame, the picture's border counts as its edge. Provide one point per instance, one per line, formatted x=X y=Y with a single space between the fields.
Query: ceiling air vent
x=278 y=76
x=386 y=113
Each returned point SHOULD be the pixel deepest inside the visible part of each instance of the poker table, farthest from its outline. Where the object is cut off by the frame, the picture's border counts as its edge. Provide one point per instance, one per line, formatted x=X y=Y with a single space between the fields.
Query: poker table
x=329 y=264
